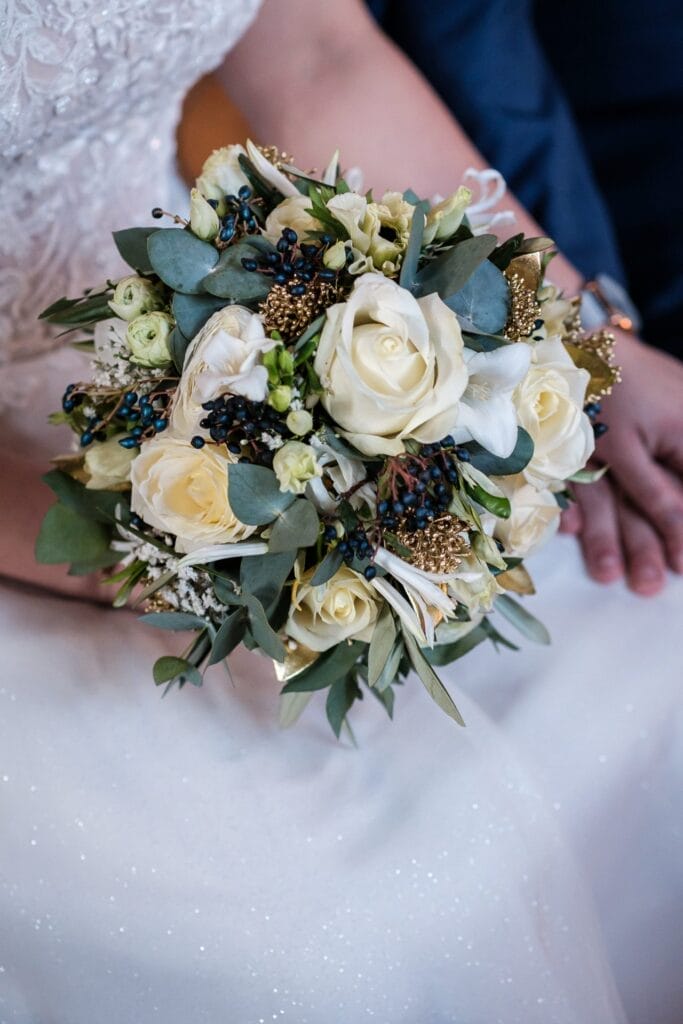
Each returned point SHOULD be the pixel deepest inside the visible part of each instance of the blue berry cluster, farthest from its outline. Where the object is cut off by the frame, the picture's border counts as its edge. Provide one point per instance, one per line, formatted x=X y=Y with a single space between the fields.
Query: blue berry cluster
x=144 y=416
x=240 y=215
x=354 y=544
x=294 y=265
x=421 y=486
x=593 y=410
x=233 y=420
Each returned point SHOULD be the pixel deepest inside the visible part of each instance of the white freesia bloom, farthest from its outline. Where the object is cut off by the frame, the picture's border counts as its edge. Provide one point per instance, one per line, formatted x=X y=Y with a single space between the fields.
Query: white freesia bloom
x=344 y=608
x=294 y=465
x=221 y=174
x=226 y=356
x=426 y=597
x=342 y=472
x=184 y=491
x=269 y=172
x=291 y=213
x=487 y=413
x=108 y=465
x=549 y=404
x=392 y=367
x=534 y=517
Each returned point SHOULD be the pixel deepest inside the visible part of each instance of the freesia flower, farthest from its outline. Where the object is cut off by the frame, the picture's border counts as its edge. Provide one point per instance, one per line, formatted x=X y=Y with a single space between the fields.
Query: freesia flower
x=487 y=413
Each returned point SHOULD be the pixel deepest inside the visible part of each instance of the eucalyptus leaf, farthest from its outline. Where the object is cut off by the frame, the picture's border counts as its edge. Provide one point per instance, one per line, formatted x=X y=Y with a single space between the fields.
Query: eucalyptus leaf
x=390 y=670
x=330 y=564
x=264 y=576
x=496 y=504
x=106 y=560
x=229 y=280
x=181 y=259
x=91 y=504
x=449 y=272
x=132 y=245
x=588 y=476
x=527 y=624
x=493 y=465
x=331 y=665
x=65 y=536
x=411 y=257
x=315 y=327
x=343 y=692
x=435 y=688
x=178 y=345
x=169 y=667
x=192 y=311
x=485 y=298
x=229 y=635
x=295 y=527
x=263 y=633
x=386 y=699
x=381 y=645
x=177 y=621
x=444 y=654
x=292 y=706
x=87 y=309
x=255 y=495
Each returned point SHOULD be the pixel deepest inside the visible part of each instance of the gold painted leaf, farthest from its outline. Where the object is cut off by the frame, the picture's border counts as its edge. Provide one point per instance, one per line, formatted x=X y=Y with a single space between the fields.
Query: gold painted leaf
x=516 y=580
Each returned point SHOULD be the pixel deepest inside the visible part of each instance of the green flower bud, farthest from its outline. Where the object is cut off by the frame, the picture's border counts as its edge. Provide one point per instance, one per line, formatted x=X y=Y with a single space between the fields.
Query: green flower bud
x=285 y=362
x=204 y=221
x=134 y=296
x=147 y=337
x=300 y=422
x=335 y=257
x=280 y=397
x=294 y=465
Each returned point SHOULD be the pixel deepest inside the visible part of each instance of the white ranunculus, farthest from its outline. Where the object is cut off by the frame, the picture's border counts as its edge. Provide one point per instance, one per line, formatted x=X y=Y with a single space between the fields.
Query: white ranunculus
x=344 y=608
x=392 y=366
x=221 y=174
x=487 y=413
x=534 y=517
x=226 y=356
x=204 y=221
x=291 y=213
x=148 y=337
x=183 y=491
x=108 y=465
x=549 y=404
x=294 y=465
x=134 y=296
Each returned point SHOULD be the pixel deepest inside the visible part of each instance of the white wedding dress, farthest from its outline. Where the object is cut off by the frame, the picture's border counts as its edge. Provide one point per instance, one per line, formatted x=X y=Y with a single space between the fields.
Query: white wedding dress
x=184 y=860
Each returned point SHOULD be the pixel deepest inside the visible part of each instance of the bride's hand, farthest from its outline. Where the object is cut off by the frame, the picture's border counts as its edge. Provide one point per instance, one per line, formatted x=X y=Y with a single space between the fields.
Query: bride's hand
x=632 y=520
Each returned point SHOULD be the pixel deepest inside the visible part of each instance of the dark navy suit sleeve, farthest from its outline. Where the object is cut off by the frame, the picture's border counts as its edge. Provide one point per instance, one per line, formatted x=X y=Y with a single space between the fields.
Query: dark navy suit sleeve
x=485 y=61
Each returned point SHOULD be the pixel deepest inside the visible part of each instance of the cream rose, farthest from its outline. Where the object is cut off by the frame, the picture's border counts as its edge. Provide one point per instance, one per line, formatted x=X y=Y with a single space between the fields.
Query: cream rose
x=549 y=404
x=108 y=465
x=291 y=213
x=344 y=608
x=392 y=367
x=147 y=338
x=534 y=517
x=294 y=465
x=134 y=296
x=224 y=357
x=184 y=491
x=221 y=174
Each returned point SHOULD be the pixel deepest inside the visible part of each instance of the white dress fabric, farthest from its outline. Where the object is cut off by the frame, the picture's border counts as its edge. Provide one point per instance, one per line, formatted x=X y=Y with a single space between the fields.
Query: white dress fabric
x=186 y=860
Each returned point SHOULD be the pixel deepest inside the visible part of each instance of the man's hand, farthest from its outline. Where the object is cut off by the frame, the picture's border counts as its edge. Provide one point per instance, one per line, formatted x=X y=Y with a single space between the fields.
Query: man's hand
x=631 y=521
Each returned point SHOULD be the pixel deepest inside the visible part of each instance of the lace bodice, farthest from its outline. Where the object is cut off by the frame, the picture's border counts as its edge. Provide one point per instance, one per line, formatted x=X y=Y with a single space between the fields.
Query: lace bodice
x=90 y=94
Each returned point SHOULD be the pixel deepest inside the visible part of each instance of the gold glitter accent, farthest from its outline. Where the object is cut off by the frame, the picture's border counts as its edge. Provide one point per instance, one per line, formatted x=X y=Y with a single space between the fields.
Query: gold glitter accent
x=524 y=309
x=297 y=658
x=155 y=602
x=439 y=547
x=529 y=267
x=291 y=314
x=517 y=580
x=274 y=156
x=595 y=353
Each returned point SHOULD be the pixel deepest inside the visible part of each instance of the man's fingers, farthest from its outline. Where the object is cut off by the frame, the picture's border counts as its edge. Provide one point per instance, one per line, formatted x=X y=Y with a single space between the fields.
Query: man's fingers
x=600 y=540
x=645 y=561
x=656 y=493
x=571 y=520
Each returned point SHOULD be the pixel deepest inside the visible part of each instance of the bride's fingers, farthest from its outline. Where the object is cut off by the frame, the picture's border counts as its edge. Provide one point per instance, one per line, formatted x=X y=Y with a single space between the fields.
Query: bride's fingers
x=571 y=521
x=657 y=493
x=600 y=539
x=645 y=561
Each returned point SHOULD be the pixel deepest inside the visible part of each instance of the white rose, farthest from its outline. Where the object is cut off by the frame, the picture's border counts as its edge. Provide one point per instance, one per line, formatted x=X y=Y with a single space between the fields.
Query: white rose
x=549 y=404
x=294 y=465
x=224 y=357
x=291 y=213
x=534 y=517
x=184 y=491
x=344 y=608
x=134 y=296
x=221 y=174
x=108 y=465
x=392 y=366
x=204 y=220
x=147 y=337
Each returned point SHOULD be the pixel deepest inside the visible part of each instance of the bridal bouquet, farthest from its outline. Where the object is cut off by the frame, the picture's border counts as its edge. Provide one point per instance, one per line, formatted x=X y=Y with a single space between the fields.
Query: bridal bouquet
x=324 y=425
